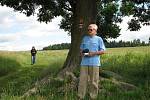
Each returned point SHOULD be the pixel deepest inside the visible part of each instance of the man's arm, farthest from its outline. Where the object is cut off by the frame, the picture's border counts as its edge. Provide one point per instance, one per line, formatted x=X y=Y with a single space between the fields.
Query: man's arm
x=102 y=48
x=97 y=53
x=100 y=52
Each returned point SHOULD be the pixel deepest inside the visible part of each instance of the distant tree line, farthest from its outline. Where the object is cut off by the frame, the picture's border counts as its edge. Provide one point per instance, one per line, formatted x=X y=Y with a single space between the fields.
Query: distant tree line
x=134 y=43
x=110 y=44
x=57 y=46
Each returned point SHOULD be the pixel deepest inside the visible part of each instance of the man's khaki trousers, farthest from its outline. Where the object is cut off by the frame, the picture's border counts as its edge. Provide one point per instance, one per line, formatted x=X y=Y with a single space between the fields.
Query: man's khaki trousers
x=89 y=75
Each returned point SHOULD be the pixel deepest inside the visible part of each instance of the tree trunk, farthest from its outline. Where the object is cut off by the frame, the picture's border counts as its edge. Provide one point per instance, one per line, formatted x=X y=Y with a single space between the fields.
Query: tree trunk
x=85 y=12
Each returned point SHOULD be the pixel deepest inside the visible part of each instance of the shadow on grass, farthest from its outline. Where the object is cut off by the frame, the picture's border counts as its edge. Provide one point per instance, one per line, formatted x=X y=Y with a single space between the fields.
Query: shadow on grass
x=8 y=65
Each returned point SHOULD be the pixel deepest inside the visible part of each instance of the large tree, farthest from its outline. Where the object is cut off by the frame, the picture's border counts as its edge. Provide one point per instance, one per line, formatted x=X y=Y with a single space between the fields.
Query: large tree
x=105 y=13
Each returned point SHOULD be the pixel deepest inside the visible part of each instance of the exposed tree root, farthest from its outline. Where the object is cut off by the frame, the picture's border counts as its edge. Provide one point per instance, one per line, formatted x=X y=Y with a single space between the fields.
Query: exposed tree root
x=72 y=82
x=123 y=85
x=110 y=74
x=44 y=81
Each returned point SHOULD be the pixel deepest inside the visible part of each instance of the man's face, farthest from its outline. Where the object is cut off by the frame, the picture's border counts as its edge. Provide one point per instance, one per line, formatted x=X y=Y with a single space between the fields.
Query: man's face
x=91 y=31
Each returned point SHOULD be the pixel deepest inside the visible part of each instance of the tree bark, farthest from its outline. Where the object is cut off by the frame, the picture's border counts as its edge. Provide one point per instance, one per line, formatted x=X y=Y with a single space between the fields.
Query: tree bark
x=85 y=12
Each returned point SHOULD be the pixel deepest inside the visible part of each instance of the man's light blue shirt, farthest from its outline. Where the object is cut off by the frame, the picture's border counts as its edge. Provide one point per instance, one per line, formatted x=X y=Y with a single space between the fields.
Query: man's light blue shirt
x=93 y=43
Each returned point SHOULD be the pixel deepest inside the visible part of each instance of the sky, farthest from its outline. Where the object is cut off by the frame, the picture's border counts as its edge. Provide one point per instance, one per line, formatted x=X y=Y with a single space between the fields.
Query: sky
x=20 y=33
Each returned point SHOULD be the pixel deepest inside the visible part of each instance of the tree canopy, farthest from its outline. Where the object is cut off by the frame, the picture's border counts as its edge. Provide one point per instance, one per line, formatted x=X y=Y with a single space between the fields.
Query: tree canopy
x=109 y=13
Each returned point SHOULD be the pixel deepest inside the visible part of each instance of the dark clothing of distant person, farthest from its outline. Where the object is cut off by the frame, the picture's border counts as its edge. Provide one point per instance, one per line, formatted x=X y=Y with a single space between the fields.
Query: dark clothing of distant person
x=33 y=55
x=33 y=52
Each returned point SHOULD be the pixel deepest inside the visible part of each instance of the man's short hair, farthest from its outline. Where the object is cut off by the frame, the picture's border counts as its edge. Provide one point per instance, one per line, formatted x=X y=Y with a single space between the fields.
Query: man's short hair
x=94 y=26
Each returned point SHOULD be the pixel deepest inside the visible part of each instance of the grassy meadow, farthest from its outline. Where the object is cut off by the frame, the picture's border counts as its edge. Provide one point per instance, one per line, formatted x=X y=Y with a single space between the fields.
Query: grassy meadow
x=17 y=75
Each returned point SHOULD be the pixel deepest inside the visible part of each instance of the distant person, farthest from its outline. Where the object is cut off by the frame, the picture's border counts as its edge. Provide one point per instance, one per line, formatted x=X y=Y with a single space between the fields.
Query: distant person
x=33 y=55
x=91 y=47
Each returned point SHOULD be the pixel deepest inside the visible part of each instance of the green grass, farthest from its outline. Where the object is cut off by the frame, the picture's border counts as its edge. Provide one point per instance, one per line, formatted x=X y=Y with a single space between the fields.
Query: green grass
x=17 y=75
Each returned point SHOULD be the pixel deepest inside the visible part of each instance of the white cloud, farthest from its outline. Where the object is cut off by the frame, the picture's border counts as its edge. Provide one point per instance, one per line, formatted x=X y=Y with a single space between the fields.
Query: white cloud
x=18 y=32
x=8 y=38
x=6 y=15
x=127 y=35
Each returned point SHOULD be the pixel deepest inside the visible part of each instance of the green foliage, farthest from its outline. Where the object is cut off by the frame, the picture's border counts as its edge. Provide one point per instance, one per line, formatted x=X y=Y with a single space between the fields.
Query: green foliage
x=127 y=8
x=134 y=25
x=106 y=20
x=109 y=12
x=47 y=9
x=57 y=46
x=140 y=11
x=134 y=43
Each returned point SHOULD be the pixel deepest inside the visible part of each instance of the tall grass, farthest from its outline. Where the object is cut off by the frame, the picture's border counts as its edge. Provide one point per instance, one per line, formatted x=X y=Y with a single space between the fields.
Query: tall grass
x=17 y=75
x=23 y=75
x=133 y=66
x=8 y=65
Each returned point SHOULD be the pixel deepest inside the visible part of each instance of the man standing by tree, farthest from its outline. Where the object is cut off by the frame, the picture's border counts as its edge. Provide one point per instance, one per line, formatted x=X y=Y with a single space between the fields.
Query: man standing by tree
x=91 y=47
x=33 y=55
